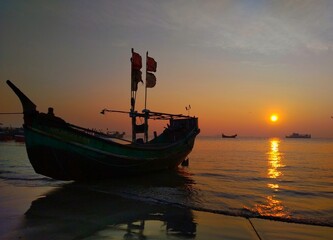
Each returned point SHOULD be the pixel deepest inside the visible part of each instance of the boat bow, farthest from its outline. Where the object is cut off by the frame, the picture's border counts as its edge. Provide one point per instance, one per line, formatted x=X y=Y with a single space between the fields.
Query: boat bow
x=27 y=104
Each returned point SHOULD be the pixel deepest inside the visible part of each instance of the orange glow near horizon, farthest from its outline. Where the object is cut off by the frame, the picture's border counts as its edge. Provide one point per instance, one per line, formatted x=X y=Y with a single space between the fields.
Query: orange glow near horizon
x=233 y=78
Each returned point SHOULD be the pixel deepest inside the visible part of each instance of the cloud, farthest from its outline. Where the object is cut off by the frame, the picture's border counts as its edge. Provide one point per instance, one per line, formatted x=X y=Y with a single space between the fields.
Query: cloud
x=255 y=27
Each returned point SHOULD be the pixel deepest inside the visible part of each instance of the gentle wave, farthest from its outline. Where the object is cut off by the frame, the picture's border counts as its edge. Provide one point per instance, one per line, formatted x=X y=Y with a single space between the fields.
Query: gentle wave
x=237 y=212
x=304 y=194
x=231 y=177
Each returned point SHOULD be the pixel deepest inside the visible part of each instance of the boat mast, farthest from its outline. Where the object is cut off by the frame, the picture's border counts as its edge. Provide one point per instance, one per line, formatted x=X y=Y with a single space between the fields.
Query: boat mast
x=136 y=77
x=133 y=97
x=151 y=66
x=146 y=83
x=146 y=111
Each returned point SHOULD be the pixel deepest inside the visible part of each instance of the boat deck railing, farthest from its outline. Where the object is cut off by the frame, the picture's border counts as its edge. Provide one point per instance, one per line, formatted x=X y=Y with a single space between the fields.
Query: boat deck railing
x=98 y=134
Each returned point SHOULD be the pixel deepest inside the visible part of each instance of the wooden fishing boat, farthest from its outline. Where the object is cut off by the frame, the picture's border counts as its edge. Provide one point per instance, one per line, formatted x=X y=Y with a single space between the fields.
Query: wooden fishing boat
x=63 y=151
x=229 y=136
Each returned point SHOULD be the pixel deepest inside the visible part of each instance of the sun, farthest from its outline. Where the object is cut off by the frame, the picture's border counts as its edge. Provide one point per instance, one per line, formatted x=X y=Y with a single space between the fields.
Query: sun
x=274 y=118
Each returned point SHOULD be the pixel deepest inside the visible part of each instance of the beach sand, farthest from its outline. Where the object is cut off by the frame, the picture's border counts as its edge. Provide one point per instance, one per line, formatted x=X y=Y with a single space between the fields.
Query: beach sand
x=75 y=212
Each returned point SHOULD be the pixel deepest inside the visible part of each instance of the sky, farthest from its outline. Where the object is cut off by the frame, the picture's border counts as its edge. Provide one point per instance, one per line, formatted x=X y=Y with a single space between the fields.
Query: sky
x=235 y=62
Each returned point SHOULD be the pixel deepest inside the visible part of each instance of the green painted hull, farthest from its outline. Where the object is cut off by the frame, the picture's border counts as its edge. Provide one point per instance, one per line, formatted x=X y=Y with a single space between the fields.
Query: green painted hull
x=74 y=156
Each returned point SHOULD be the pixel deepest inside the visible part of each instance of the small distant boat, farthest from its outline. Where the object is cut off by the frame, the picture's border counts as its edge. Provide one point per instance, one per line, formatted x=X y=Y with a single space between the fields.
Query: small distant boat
x=229 y=136
x=19 y=135
x=19 y=138
x=298 y=135
x=5 y=136
x=10 y=134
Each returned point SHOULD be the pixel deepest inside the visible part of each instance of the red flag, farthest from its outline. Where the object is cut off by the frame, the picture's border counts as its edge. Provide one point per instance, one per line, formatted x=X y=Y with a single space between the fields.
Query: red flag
x=150 y=80
x=136 y=78
x=136 y=61
x=151 y=64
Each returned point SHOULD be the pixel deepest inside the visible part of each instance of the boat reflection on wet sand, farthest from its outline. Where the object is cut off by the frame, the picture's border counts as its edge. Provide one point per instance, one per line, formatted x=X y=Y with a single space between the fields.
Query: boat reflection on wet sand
x=91 y=210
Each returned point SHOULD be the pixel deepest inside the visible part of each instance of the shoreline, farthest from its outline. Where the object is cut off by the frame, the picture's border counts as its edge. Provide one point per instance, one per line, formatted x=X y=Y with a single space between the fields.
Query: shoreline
x=71 y=212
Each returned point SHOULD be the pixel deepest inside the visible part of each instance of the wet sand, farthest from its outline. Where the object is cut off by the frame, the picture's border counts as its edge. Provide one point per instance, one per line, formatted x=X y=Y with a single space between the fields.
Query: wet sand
x=75 y=212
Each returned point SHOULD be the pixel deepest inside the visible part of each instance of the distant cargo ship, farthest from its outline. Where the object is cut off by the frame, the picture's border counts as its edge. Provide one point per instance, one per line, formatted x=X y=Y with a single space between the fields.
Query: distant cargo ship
x=298 y=135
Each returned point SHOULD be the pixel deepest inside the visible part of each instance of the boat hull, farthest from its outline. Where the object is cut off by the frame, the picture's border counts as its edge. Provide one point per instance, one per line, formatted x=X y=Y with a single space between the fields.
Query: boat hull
x=229 y=136
x=297 y=135
x=69 y=160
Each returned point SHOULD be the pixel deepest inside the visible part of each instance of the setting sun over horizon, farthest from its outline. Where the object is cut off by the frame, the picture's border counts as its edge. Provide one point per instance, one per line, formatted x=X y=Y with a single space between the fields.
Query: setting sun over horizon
x=250 y=68
x=274 y=118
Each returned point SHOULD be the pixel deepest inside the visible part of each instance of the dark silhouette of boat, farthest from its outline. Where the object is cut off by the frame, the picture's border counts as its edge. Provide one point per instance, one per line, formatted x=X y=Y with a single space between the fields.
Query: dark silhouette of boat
x=63 y=151
x=298 y=135
x=229 y=136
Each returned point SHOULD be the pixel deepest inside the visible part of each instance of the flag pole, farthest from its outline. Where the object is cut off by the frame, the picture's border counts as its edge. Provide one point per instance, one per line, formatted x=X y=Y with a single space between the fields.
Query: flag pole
x=132 y=102
x=146 y=83
x=146 y=115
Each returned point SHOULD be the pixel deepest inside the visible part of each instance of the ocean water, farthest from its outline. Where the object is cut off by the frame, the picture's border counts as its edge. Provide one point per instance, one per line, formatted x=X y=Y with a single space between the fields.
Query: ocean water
x=281 y=179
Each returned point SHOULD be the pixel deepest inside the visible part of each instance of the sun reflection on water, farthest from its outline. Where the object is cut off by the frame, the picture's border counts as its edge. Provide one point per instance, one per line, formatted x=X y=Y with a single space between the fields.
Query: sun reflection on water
x=272 y=206
x=274 y=159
